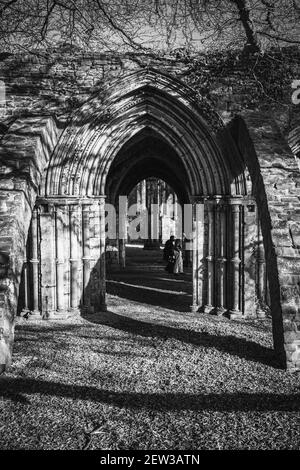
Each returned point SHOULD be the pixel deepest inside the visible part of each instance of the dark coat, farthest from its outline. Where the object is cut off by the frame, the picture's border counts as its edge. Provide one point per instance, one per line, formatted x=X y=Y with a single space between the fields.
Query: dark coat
x=168 y=249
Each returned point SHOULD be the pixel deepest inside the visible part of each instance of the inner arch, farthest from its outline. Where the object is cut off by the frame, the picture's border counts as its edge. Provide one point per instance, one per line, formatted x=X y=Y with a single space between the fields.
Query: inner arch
x=145 y=155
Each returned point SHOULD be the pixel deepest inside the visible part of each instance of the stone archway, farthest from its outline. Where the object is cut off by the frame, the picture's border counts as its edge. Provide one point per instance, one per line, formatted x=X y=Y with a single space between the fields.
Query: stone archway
x=66 y=246
x=103 y=151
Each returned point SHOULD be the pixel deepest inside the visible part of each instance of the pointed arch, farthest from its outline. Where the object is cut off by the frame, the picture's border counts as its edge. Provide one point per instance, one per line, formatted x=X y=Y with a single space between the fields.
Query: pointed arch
x=142 y=101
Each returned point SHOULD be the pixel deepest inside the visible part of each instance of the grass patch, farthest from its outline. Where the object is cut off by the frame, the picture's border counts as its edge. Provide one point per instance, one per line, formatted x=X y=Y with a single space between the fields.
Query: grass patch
x=143 y=377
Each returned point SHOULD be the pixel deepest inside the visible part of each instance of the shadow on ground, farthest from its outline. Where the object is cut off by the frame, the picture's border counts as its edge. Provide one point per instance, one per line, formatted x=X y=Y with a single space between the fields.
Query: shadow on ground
x=145 y=291
x=233 y=345
x=15 y=389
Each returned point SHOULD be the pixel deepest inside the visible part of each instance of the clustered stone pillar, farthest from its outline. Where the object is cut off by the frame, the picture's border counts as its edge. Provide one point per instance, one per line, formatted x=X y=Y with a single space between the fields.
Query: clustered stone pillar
x=158 y=213
x=152 y=242
x=197 y=254
x=48 y=260
x=143 y=195
x=223 y=285
x=86 y=255
x=93 y=251
x=209 y=307
x=102 y=283
x=74 y=223
x=260 y=258
x=122 y=232
x=221 y=260
x=67 y=257
x=34 y=261
x=235 y=311
x=25 y=309
x=59 y=236
x=195 y=267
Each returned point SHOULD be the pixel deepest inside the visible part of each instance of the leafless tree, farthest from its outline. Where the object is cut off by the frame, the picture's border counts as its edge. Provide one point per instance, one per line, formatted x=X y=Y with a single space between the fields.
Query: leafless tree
x=156 y=26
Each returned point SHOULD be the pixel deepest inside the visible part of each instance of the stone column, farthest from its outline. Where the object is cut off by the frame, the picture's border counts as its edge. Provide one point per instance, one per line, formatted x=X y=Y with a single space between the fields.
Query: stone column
x=235 y=311
x=138 y=196
x=221 y=260
x=34 y=261
x=102 y=280
x=122 y=235
x=163 y=212
x=250 y=257
x=96 y=256
x=155 y=214
x=143 y=195
x=86 y=255
x=175 y=206
x=159 y=215
x=149 y=202
x=25 y=309
x=194 y=307
x=260 y=259
x=209 y=307
x=117 y=240
x=48 y=261
x=197 y=255
x=74 y=221
x=151 y=194
x=60 y=258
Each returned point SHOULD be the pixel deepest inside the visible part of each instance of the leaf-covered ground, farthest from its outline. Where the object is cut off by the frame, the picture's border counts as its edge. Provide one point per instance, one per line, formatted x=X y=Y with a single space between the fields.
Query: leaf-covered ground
x=144 y=376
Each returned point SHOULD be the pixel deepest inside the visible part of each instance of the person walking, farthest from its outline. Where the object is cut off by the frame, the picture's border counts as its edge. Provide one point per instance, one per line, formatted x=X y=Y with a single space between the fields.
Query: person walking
x=169 y=255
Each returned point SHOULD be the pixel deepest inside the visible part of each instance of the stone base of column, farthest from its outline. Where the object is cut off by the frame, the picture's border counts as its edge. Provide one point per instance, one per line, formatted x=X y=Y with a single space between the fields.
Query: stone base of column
x=260 y=313
x=35 y=315
x=49 y=315
x=54 y=315
x=62 y=314
x=209 y=309
x=195 y=308
x=58 y=316
x=235 y=315
x=68 y=314
x=73 y=313
x=220 y=311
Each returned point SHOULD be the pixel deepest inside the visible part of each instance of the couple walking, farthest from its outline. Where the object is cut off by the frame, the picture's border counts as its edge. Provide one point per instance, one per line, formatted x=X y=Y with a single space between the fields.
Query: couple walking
x=173 y=256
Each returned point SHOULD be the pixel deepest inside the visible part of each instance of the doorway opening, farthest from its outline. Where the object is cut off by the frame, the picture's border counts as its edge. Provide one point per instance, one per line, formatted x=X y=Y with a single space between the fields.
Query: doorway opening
x=136 y=266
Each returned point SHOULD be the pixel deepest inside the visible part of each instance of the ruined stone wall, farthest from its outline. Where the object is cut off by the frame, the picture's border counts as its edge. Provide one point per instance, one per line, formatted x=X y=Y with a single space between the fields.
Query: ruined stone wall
x=23 y=153
x=43 y=92
x=60 y=82
x=276 y=182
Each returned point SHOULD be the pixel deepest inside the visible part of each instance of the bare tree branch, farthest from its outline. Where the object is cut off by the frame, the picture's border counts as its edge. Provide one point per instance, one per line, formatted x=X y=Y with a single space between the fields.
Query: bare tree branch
x=151 y=26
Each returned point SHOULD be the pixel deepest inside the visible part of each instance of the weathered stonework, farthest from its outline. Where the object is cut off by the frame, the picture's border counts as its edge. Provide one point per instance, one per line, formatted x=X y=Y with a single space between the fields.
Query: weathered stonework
x=68 y=121
x=24 y=153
